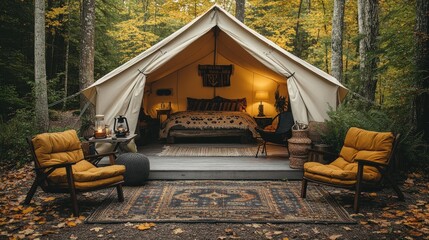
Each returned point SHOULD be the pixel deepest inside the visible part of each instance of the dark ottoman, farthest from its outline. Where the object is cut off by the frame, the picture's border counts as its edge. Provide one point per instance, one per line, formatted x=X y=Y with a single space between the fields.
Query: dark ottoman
x=137 y=168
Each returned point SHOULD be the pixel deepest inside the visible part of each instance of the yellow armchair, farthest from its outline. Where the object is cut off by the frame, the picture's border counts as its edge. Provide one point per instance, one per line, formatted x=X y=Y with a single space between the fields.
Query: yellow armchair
x=363 y=163
x=61 y=167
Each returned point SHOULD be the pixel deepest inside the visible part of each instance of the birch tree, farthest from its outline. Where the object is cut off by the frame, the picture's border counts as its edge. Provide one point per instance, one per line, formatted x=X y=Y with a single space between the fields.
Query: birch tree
x=368 y=31
x=337 y=40
x=86 y=64
x=41 y=95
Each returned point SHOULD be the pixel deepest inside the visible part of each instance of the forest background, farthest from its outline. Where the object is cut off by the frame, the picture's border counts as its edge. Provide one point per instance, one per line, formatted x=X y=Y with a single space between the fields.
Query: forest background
x=125 y=28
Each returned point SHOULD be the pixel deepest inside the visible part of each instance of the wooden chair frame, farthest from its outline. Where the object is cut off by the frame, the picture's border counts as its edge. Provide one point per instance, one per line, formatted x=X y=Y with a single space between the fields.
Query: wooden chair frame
x=42 y=174
x=384 y=169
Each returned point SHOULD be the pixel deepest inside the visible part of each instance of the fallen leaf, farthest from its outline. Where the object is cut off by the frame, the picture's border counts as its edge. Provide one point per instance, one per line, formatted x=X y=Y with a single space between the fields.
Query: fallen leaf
x=347 y=228
x=128 y=224
x=27 y=210
x=256 y=225
x=96 y=229
x=334 y=237
x=49 y=199
x=177 y=231
x=27 y=231
x=60 y=225
x=229 y=231
x=145 y=226
x=71 y=223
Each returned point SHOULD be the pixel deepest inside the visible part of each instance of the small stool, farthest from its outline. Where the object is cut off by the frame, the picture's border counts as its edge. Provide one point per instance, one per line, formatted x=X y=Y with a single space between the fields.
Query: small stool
x=137 y=168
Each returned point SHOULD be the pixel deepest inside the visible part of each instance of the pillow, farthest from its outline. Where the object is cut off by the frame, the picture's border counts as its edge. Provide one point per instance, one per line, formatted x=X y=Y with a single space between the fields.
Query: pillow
x=216 y=104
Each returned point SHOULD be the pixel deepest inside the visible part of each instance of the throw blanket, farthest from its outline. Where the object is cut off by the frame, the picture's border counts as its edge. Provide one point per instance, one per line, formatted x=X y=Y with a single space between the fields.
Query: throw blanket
x=208 y=120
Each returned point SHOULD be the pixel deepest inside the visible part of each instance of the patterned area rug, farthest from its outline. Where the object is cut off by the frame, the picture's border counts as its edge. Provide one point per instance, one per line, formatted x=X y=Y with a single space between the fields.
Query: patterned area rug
x=198 y=150
x=221 y=201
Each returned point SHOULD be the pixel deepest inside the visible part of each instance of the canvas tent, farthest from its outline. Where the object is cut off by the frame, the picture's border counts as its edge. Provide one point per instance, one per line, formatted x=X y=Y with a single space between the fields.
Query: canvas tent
x=311 y=91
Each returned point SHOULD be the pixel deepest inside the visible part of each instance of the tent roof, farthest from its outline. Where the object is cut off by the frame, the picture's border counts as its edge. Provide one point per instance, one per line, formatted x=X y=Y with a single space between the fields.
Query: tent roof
x=236 y=42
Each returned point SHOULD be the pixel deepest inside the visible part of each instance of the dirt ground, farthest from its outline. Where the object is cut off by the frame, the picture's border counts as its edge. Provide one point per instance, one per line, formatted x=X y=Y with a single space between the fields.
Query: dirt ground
x=49 y=217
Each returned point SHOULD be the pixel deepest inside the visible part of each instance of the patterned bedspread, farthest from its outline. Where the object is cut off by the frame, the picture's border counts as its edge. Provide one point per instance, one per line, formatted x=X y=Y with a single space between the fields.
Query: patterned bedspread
x=208 y=120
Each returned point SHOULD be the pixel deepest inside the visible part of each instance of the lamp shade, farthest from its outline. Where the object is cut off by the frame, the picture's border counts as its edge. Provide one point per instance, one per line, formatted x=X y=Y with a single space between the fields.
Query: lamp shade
x=261 y=95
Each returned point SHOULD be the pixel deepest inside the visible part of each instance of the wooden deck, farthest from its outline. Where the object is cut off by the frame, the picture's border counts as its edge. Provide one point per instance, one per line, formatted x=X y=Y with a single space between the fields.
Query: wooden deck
x=275 y=166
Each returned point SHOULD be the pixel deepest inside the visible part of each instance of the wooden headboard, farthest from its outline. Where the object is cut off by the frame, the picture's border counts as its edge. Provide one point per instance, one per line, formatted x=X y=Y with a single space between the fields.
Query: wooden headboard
x=216 y=104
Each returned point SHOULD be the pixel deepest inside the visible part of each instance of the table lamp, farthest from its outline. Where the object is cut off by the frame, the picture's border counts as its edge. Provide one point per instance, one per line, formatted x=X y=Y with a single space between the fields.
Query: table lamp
x=261 y=95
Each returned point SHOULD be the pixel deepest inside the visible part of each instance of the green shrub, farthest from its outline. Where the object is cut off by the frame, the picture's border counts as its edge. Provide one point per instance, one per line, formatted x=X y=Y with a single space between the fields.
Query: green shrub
x=13 y=146
x=412 y=150
x=54 y=115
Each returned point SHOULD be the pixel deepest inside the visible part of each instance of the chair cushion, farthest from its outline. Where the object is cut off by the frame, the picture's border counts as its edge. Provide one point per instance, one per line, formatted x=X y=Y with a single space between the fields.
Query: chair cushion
x=94 y=184
x=333 y=174
x=358 y=144
x=54 y=148
x=368 y=145
x=84 y=171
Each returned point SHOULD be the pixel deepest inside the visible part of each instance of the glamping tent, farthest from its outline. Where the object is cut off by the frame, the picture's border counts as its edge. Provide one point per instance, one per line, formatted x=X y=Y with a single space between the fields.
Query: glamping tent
x=215 y=37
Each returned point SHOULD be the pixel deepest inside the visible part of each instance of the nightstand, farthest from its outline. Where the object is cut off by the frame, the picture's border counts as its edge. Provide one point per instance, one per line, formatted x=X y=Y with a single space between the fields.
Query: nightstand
x=263 y=121
x=160 y=112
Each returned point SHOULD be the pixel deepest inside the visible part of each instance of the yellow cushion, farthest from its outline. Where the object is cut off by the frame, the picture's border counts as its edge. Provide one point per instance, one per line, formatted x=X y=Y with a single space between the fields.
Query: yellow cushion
x=358 y=144
x=369 y=145
x=84 y=171
x=94 y=184
x=54 y=148
x=98 y=183
x=95 y=173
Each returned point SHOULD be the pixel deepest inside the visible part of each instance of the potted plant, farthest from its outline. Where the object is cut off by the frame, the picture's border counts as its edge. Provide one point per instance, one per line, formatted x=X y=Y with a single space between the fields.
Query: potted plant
x=281 y=103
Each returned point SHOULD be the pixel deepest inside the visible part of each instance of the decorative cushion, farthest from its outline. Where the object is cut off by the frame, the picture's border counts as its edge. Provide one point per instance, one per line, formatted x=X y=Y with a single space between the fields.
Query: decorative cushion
x=54 y=148
x=216 y=104
x=358 y=144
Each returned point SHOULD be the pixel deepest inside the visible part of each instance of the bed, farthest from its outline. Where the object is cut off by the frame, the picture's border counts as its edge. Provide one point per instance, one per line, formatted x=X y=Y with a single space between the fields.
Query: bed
x=217 y=117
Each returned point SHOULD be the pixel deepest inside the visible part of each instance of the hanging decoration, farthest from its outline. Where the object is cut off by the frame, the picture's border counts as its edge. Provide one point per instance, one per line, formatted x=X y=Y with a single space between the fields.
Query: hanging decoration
x=215 y=75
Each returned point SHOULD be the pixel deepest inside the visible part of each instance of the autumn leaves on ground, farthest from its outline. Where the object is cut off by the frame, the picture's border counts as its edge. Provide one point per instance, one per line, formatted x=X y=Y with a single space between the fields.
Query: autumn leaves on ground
x=49 y=217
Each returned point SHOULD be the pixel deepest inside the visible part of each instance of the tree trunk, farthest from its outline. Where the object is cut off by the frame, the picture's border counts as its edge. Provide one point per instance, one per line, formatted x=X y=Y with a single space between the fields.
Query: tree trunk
x=66 y=72
x=86 y=65
x=337 y=40
x=297 y=41
x=422 y=63
x=368 y=31
x=239 y=9
x=41 y=93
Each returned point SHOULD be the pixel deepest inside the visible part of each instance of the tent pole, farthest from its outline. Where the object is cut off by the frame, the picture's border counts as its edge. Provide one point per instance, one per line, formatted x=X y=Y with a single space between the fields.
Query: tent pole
x=215 y=33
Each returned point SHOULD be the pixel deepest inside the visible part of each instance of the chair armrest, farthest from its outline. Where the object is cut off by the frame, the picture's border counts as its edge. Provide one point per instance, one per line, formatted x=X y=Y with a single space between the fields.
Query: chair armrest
x=326 y=157
x=55 y=166
x=44 y=172
x=323 y=152
x=94 y=159
x=100 y=155
x=370 y=163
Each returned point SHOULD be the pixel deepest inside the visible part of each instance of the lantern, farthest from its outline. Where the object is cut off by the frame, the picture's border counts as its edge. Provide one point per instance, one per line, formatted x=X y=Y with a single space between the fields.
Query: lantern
x=100 y=127
x=121 y=127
